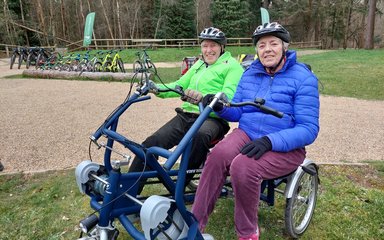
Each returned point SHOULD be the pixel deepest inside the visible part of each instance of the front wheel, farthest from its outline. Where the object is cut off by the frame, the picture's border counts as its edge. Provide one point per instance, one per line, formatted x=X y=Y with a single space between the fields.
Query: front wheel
x=137 y=67
x=300 y=207
x=97 y=67
x=121 y=65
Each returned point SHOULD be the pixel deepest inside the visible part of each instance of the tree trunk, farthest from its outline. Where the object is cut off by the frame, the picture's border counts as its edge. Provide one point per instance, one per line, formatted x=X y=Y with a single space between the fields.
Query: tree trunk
x=107 y=19
x=158 y=20
x=23 y=21
x=52 y=22
x=63 y=19
x=369 y=31
x=119 y=21
x=348 y=23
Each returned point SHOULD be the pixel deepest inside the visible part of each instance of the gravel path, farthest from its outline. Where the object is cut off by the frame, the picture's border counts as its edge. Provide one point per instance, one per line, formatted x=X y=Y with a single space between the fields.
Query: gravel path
x=45 y=124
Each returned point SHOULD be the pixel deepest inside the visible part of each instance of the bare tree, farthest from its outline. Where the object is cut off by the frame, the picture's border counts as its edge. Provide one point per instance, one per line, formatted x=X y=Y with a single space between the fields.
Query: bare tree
x=23 y=21
x=369 y=32
x=107 y=19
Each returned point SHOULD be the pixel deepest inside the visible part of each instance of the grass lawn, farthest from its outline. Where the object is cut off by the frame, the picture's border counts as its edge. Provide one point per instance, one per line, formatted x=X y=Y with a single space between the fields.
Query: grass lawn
x=350 y=205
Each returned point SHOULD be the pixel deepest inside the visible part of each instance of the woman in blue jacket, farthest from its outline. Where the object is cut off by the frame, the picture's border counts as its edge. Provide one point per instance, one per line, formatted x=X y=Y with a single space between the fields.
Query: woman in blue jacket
x=263 y=146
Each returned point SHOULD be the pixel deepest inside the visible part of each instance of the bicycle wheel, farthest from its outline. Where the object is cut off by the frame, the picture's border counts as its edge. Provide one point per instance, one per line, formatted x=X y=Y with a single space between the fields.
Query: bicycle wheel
x=107 y=66
x=13 y=59
x=121 y=65
x=21 y=57
x=40 y=60
x=151 y=67
x=29 y=59
x=137 y=67
x=97 y=67
x=300 y=207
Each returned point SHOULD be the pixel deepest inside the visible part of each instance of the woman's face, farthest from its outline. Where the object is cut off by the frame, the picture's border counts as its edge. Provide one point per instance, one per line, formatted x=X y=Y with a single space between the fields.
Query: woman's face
x=211 y=51
x=269 y=50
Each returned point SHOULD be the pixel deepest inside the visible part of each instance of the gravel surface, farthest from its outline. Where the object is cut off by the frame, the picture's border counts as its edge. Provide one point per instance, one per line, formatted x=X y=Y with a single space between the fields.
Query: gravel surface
x=46 y=123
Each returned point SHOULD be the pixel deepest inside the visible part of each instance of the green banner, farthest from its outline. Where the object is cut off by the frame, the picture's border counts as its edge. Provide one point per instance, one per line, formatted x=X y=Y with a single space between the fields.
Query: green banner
x=88 y=29
x=264 y=15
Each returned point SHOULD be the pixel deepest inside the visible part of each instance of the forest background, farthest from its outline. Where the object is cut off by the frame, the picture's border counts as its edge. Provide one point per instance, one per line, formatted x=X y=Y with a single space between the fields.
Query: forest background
x=336 y=23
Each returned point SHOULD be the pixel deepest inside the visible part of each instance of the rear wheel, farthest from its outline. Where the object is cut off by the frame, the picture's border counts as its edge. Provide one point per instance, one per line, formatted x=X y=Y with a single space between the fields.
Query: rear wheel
x=107 y=67
x=300 y=207
x=97 y=67
x=13 y=59
x=121 y=65
x=29 y=59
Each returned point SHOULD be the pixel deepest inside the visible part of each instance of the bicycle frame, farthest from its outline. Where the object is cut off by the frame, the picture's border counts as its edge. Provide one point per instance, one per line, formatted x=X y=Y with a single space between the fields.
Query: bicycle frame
x=119 y=184
x=114 y=194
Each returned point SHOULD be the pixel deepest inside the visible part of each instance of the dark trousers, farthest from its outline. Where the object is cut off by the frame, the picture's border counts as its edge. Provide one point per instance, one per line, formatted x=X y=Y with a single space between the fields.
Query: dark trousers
x=173 y=131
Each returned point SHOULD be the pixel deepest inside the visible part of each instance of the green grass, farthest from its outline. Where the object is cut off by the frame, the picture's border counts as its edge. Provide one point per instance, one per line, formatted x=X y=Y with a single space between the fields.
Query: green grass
x=350 y=73
x=350 y=205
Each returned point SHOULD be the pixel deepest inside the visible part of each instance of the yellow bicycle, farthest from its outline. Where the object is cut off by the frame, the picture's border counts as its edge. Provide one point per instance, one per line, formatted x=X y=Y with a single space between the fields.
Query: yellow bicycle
x=112 y=62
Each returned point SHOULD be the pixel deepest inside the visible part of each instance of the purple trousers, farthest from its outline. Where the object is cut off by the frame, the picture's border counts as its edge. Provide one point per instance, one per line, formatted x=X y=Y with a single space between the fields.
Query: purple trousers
x=246 y=177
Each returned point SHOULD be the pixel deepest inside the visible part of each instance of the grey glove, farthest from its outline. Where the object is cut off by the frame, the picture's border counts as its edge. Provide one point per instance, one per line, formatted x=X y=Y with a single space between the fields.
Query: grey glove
x=153 y=87
x=192 y=96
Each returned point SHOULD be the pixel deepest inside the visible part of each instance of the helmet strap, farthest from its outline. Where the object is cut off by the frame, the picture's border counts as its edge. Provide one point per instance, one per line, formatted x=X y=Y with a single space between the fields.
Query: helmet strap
x=273 y=69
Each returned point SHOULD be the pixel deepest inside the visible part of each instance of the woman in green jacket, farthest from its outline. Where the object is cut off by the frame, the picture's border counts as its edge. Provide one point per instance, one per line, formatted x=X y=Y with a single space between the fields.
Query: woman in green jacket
x=217 y=71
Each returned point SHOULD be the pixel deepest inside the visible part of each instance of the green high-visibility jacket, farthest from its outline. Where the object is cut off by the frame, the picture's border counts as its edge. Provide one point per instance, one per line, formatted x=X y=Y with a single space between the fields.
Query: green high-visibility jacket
x=222 y=76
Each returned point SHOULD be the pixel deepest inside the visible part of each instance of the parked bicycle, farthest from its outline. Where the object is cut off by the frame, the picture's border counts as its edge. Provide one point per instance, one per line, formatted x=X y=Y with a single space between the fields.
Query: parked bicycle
x=42 y=56
x=144 y=63
x=112 y=62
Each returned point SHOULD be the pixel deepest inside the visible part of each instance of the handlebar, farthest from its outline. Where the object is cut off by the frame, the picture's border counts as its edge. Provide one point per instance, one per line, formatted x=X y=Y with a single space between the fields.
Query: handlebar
x=258 y=102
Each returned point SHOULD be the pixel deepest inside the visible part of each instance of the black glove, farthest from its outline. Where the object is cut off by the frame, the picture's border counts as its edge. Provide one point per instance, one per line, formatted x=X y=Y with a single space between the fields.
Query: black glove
x=257 y=147
x=207 y=99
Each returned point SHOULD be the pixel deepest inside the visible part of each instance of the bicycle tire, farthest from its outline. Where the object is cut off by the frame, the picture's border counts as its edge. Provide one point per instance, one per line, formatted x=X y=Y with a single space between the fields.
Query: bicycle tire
x=121 y=65
x=39 y=61
x=65 y=67
x=300 y=207
x=137 y=66
x=21 y=57
x=97 y=67
x=152 y=68
x=28 y=63
x=107 y=67
x=13 y=59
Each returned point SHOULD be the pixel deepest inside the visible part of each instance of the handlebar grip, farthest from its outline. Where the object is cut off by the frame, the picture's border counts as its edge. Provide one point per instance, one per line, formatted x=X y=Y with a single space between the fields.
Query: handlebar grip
x=271 y=111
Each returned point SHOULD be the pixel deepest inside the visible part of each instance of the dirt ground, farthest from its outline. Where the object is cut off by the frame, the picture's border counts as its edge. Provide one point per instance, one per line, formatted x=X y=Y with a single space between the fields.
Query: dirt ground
x=46 y=124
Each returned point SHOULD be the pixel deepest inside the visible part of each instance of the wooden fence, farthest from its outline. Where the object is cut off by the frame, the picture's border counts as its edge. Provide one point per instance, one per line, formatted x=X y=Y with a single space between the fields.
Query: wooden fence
x=6 y=49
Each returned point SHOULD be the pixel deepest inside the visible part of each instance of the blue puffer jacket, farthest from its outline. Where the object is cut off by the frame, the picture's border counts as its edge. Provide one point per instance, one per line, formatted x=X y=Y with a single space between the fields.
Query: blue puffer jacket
x=293 y=90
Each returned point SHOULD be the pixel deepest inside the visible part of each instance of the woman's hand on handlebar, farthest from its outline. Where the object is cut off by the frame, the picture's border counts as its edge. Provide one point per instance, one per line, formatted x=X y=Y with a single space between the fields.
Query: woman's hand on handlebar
x=219 y=105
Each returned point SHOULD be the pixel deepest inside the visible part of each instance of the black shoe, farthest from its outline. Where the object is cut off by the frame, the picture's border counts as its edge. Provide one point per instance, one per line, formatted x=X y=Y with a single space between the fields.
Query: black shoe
x=1 y=167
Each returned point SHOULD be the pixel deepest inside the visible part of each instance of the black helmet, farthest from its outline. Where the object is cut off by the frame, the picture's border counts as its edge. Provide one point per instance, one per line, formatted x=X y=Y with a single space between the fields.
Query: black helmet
x=213 y=34
x=274 y=29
